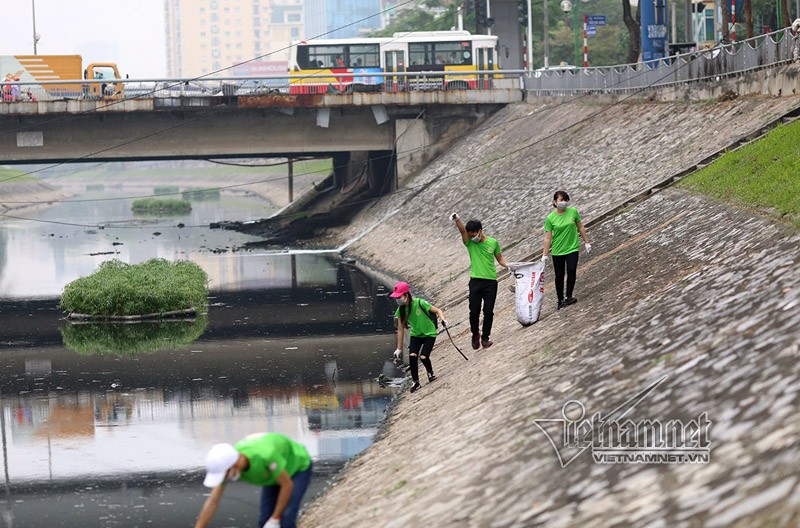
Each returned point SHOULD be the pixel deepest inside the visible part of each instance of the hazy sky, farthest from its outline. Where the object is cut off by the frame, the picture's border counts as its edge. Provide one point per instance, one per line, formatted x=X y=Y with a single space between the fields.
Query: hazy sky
x=128 y=32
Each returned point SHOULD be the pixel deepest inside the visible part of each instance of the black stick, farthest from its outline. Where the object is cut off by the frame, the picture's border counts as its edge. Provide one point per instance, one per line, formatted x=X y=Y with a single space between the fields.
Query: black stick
x=454 y=344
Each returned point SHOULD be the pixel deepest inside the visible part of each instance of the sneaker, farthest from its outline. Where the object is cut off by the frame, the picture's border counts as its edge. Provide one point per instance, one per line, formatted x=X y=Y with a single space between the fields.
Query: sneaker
x=570 y=300
x=431 y=376
x=561 y=304
x=486 y=343
x=415 y=386
x=476 y=341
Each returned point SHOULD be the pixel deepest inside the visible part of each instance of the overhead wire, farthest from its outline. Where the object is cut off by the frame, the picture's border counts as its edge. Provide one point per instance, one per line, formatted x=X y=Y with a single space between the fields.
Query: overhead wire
x=426 y=184
x=214 y=110
x=205 y=75
x=449 y=140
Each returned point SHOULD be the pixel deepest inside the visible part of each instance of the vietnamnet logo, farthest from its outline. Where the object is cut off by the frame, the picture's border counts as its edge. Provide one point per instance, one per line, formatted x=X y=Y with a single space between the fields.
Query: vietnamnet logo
x=614 y=439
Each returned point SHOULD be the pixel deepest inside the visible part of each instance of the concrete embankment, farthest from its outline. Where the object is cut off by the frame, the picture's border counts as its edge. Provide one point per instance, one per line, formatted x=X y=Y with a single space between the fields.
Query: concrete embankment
x=27 y=196
x=678 y=285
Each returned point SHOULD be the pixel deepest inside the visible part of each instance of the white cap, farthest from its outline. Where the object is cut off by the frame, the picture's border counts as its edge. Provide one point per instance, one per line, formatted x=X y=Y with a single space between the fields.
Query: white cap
x=219 y=460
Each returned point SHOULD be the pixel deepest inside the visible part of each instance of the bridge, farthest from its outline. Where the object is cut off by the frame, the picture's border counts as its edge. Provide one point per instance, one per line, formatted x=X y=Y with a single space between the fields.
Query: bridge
x=386 y=134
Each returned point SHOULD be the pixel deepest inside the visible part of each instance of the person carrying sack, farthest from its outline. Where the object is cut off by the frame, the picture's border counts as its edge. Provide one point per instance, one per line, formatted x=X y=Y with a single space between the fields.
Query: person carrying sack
x=561 y=229
x=420 y=316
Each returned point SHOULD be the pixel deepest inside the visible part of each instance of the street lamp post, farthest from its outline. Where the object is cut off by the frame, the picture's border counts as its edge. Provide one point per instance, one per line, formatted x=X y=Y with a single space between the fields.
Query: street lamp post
x=35 y=35
x=546 y=38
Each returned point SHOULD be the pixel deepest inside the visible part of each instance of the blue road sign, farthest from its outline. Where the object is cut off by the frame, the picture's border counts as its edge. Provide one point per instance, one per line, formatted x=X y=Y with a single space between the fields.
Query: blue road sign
x=596 y=20
x=591 y=30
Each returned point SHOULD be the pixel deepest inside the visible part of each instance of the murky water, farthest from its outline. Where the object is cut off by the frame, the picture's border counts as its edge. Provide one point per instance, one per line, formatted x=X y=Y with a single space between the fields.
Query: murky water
x=108 y=425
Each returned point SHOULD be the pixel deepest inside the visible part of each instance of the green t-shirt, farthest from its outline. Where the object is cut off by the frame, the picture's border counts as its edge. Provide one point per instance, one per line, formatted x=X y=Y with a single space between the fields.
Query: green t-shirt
x=419 y=321
x=565 y=231
x=269 y=454
x=481 y=258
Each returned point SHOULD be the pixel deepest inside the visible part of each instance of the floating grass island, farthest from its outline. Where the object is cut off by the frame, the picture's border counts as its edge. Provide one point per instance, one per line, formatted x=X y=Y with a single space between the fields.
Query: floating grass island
x=157 y=206
x=152 y=290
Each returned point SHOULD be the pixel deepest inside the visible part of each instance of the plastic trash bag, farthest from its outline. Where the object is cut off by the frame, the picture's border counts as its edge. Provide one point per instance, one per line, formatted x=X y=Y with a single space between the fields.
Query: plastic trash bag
x=529 y=290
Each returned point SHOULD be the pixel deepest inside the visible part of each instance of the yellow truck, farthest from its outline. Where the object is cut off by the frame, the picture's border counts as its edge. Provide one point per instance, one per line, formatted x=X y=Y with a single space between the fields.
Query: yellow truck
x=39 y=68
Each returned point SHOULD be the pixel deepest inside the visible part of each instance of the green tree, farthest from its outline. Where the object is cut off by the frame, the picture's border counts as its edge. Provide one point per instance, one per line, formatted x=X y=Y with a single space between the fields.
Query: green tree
x=428 y=15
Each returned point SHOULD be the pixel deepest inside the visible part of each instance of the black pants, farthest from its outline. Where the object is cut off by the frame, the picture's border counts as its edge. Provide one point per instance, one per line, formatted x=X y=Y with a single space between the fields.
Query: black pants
x=417 y=347
x=482 y=291
x=569 y=261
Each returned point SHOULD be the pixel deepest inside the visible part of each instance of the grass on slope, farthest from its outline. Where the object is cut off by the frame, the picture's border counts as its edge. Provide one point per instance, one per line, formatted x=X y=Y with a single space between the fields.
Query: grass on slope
x=763 y=176
x=8 y=176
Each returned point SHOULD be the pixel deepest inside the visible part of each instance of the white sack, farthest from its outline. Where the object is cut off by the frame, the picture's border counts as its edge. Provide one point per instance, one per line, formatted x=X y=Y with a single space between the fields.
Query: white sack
x=529 y=290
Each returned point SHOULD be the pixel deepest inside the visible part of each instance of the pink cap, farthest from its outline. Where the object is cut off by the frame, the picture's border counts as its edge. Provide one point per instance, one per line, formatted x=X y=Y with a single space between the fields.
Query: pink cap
x=400 y=289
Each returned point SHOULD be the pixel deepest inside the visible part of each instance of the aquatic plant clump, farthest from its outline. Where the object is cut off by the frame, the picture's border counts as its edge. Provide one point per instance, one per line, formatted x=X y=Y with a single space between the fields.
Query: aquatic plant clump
x=200 y=195
x=165 y=189
x=161 y=207
x=155 y=286
x=130 y=340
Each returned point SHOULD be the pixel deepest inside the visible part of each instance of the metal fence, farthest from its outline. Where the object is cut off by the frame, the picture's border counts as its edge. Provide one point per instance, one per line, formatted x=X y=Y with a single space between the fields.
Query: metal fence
x=209 y=88
x=712 y=64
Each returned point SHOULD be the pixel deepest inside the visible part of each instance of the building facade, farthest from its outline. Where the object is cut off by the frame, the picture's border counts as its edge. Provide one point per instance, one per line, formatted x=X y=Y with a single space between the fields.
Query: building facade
x=213 y=36
x=343 y=18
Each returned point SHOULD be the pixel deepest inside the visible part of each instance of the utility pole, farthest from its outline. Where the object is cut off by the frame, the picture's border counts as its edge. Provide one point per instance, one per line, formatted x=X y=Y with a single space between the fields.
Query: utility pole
x=530 y=37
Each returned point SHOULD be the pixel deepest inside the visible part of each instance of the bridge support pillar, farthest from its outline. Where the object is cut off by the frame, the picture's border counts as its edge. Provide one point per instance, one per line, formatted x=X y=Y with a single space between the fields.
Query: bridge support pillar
x=411 y=139
x=364 y=171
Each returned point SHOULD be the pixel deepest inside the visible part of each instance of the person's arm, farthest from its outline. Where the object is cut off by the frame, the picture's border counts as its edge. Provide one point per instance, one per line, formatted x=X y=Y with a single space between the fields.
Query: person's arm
x=584 y=236
x=582 y=231
x=501 y=260
x=440 y=314
x=461 y=228
x=286 y=484
x=210 y=507
x=400 y=329
x=548 y=240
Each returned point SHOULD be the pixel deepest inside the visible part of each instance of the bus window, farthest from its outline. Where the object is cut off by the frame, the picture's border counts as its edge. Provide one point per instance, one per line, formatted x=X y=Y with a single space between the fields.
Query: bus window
x=440 y=53
x=365 y=55
x=310 y=57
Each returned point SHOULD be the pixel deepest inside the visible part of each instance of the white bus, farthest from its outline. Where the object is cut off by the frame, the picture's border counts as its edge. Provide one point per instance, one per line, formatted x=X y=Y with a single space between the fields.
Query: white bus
x=345 y=61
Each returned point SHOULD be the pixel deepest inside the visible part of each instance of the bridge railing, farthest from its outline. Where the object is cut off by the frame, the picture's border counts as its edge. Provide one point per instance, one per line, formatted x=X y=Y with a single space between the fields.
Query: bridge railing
x=711 y=64
x=209 y=88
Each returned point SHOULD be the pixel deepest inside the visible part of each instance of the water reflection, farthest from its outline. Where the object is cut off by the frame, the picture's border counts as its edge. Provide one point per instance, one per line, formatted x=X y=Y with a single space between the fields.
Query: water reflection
x=70 y=240
x=296 y=348
x=131 y=339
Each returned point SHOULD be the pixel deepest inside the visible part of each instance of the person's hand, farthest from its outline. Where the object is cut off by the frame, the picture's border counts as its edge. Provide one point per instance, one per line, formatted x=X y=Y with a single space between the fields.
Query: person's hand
x=273 y=523
x=454 y=217
x=398 y=354
x=512 y=268
x=545 y=258
x=588 y=247
x=445 y=324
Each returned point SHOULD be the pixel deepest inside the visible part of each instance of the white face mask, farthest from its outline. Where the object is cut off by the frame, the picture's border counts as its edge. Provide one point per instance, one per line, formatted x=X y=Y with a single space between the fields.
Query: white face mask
x=562 y=205
x=400 y=301
x=234 y=474
x=476 y=238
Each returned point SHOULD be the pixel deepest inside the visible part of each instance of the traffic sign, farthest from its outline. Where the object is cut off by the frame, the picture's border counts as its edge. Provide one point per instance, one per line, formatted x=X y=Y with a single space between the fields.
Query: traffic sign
x=596 y=20
x=591 y=30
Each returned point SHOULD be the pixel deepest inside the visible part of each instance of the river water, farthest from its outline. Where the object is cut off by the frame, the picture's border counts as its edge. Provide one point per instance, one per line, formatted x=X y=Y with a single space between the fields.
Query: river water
x=108 y=425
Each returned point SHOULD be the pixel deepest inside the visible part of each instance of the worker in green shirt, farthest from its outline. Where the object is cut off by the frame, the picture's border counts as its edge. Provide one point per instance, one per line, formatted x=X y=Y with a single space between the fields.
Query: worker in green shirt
x=415 y=313
x=482 y=251
x=561 y=228
x=271 y=460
